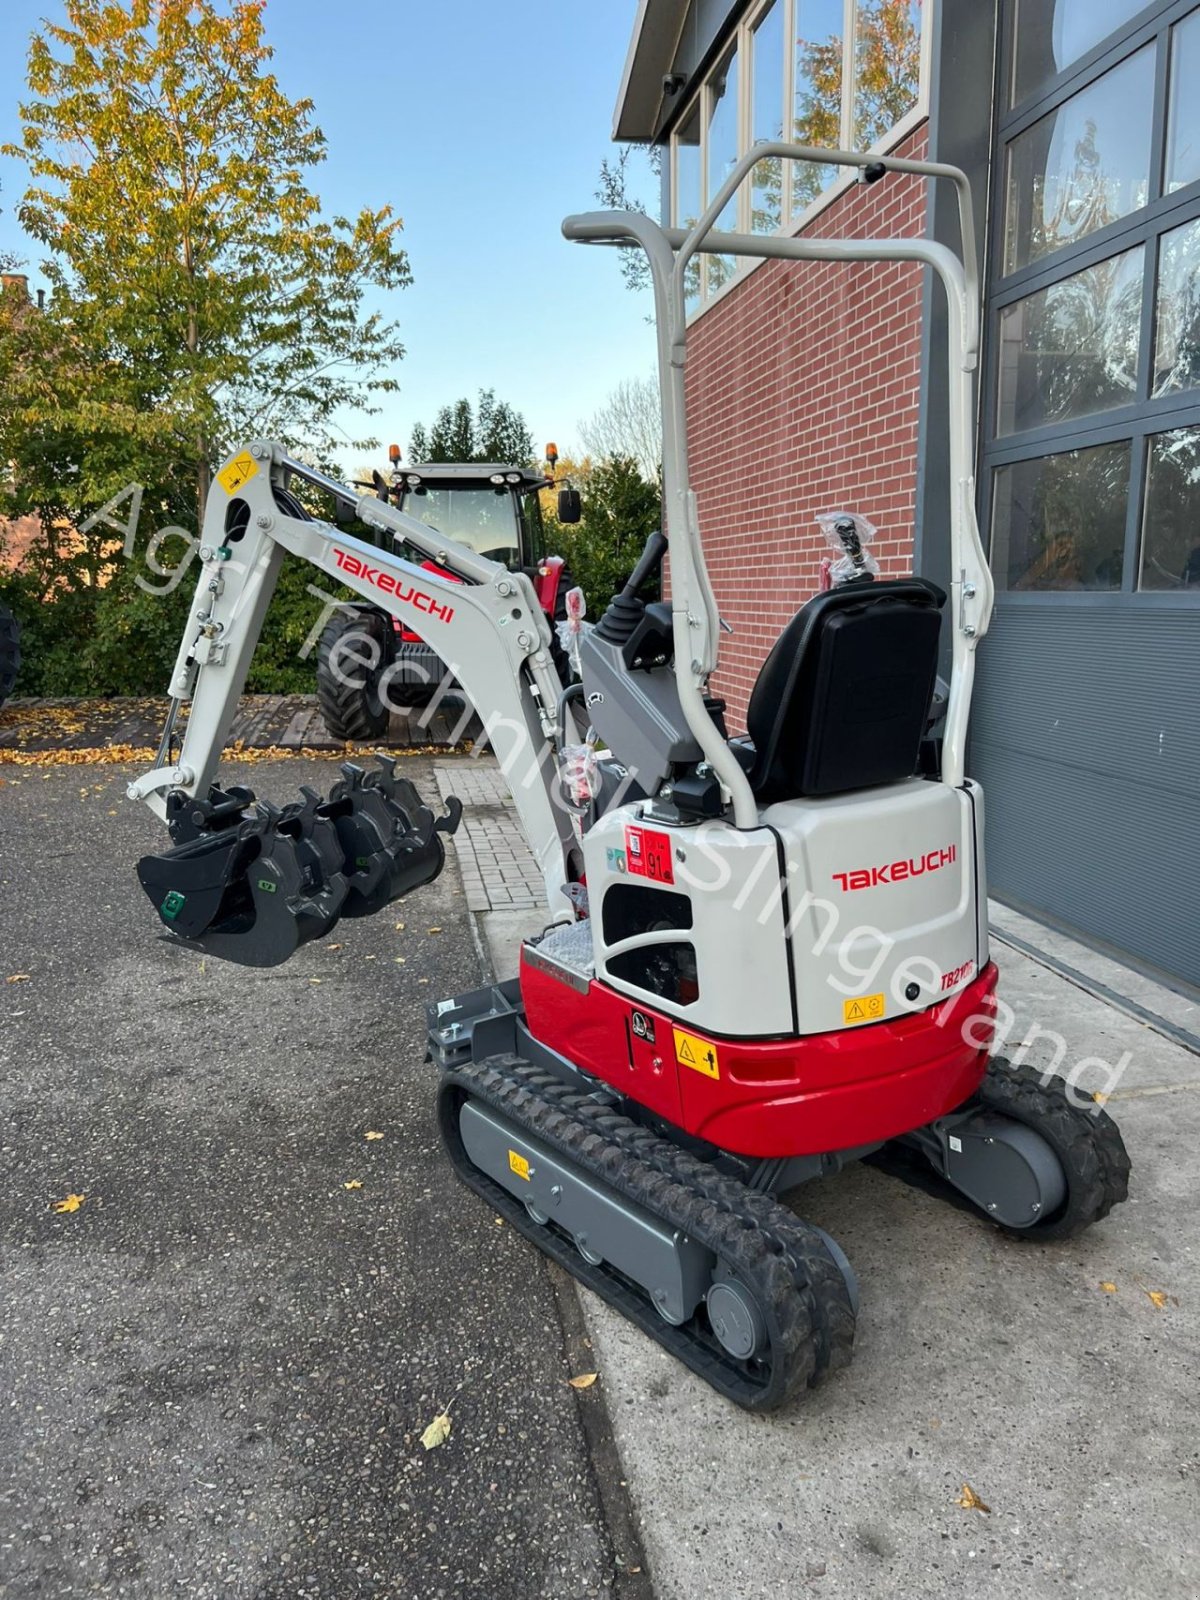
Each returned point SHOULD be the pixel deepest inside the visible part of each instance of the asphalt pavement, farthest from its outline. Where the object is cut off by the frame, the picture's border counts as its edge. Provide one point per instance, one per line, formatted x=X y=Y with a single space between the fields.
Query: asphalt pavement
x=215 y=1372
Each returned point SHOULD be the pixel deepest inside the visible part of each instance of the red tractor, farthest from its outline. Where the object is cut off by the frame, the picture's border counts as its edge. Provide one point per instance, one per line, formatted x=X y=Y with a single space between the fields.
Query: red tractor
x=368 y=663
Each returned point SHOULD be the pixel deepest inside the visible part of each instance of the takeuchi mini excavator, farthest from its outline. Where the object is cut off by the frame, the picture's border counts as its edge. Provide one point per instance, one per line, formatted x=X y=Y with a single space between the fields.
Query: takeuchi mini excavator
x=766 y=955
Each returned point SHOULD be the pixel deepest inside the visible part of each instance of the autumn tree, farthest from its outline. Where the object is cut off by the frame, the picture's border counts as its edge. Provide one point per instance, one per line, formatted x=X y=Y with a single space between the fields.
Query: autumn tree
x=198 y=293
x=489 y=431
x=628 y=423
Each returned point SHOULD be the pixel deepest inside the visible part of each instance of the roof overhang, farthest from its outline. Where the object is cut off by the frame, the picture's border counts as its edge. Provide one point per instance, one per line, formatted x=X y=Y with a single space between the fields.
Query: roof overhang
x=656 y=32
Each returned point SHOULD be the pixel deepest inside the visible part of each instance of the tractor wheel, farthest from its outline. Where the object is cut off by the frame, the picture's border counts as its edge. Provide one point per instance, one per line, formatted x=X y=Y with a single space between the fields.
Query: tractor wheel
x=355 y=650
x=10 y=652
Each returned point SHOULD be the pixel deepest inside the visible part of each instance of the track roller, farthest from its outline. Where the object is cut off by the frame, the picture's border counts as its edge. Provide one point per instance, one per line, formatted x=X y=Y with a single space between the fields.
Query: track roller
x=724 y=1277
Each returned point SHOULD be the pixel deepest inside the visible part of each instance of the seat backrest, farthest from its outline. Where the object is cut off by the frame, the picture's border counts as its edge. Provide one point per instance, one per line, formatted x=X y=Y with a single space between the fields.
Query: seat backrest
x=843 y=698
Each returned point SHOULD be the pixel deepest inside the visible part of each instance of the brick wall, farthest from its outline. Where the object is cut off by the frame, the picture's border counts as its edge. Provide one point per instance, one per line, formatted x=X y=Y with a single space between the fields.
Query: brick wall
x=802 y=392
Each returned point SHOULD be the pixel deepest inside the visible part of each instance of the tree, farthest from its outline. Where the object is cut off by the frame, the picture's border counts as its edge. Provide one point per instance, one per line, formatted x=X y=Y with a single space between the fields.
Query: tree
x=614 y=194
x=620 y=512
x=491 y=431
x=628 y=424
x=193 y=277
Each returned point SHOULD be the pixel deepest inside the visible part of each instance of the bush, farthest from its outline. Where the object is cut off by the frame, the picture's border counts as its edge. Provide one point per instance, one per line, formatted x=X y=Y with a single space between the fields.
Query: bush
x=620 y=512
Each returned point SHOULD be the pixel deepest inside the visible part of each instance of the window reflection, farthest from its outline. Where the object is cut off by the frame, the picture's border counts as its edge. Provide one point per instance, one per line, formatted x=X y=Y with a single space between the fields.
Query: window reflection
x=817 y=105
x=1171 y=519
x=1059 y=522
x=1082 y=166
x=766 y=203
x=1073 y=348
x=1177 y=311
x=1053 y=33
x=1183 y=116
x=722 y=156
x=887 y=66
x=686 y=199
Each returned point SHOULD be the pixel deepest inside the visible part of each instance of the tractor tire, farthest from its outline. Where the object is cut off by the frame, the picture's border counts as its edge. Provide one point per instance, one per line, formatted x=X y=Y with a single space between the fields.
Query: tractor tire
x=355 y=650
x=10 y=652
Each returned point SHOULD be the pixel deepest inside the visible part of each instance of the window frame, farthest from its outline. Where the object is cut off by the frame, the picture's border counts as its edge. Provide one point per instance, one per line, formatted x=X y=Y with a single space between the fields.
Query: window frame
x=794 y=220
x=1148 y=414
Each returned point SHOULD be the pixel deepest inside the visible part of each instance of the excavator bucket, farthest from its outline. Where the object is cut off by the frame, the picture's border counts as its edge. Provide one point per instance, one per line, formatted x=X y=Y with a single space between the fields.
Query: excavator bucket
x=252 y=883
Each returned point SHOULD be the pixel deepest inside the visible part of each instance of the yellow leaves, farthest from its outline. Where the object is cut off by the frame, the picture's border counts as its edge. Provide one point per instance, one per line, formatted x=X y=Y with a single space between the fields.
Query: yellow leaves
x=352 y=1183
x=399 y=927
x=18 y=977
x=1157 y=1299
x=970 y=1501
x=1100 y=1097
x=71 y=1203
x=583 y=1380
x=437 y=1432
x=333 y=947
x=1109 y=1288
x=372 y=1134
x=433 y=930
x=314 y=980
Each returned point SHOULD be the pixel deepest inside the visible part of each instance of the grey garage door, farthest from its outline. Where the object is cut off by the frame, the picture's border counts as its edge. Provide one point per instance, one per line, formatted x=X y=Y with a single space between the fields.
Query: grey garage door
x=1087 y=729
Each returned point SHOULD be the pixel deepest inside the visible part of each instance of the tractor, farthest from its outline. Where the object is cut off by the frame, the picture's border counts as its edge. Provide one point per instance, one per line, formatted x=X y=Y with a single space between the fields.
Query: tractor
x=369 y=662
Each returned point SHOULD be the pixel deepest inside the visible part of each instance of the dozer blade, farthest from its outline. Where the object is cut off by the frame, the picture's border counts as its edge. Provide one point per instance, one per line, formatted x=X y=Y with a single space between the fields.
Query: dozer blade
x=255 y=893
x=252 y=886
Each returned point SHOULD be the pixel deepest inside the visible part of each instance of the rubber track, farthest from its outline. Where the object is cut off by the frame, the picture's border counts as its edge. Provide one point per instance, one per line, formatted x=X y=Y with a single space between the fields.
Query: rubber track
x=344 y=704
x=10 y=652
x=783 y=1261
x=1085 y=1139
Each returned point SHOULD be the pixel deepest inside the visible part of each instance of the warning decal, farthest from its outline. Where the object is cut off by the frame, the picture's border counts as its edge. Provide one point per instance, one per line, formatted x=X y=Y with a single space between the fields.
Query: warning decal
x=699 y=1054
x=864 y=1008
x=238 y=471
x=519 y=1165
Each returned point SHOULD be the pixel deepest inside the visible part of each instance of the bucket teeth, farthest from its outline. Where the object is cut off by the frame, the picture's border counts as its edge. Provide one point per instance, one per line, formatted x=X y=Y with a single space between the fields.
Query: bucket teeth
x=251 y=882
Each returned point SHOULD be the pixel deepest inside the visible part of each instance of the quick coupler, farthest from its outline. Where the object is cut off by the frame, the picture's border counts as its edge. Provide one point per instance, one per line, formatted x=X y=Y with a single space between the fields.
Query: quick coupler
x=250 y=883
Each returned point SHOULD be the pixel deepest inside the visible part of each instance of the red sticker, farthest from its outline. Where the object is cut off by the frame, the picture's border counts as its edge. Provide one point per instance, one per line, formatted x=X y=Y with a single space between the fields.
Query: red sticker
x=648 y=854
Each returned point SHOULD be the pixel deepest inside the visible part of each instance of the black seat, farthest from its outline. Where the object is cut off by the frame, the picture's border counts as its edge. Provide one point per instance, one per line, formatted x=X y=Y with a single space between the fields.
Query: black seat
x=843 y=698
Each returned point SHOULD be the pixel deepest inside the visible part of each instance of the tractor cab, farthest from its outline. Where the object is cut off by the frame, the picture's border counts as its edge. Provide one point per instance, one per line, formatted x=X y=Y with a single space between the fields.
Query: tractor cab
x=491 y=508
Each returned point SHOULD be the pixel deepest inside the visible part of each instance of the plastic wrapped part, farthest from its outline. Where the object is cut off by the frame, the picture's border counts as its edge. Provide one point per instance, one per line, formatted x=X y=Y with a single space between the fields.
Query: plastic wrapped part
x=849 y=535
x=571 y=629
x=577 y=772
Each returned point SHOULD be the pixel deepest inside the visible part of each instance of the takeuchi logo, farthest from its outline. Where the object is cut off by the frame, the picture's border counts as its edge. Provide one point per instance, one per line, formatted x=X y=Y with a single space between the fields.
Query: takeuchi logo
x=390 y=584
x=897 y=871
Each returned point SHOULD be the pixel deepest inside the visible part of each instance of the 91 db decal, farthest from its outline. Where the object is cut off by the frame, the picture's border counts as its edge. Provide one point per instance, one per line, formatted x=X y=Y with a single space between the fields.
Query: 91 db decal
x=648 y=855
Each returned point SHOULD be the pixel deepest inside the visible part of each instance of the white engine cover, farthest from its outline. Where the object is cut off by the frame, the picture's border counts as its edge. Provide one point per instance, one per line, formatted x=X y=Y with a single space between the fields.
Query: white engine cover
x=822 y=918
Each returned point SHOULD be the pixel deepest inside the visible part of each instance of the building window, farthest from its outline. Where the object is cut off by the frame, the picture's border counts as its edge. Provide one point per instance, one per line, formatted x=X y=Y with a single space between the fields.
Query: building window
x=1092 y=427
x=851 y=77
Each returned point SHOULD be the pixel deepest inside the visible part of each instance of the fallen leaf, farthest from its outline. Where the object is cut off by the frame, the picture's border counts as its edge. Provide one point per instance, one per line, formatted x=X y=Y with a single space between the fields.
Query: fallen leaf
x=399 y=927
x=1109 y=1288
x=71 y=1203
x=354 y=1183
x=314 y=980
x=333 y=947
x=372 y=1135
x=434 y=930
x=437 y=1432
x=400 y=960
x=18 y=977
x=585 y=1380
x=970 y=1501
x=1157 y=1298
x=1100 y=1097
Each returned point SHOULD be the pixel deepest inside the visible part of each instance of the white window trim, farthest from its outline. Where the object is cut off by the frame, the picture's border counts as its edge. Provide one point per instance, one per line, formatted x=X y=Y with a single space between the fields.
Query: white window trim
x=743 y=37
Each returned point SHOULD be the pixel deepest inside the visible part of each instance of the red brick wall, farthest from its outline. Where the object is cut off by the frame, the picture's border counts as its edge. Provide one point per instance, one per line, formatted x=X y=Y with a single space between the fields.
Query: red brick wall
x=802 y=390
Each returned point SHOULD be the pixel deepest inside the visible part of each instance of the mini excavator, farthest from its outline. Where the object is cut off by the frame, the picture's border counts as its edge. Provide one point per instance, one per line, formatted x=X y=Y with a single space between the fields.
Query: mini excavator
x=766 y=955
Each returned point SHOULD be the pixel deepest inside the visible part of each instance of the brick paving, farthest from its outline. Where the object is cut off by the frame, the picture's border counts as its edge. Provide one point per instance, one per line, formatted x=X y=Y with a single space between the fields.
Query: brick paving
x=498 y=870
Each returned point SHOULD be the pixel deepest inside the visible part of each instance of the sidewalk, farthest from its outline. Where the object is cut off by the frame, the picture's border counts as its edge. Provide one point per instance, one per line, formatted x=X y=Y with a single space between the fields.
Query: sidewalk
x=1058 y=1381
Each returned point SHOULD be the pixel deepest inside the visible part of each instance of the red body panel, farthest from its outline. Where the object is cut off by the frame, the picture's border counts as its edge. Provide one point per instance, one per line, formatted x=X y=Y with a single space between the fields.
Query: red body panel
x=775 y=1097
x=547 y=582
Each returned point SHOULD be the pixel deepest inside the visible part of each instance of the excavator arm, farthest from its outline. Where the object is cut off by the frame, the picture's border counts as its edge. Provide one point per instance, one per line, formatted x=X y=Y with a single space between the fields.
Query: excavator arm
x=250 y=881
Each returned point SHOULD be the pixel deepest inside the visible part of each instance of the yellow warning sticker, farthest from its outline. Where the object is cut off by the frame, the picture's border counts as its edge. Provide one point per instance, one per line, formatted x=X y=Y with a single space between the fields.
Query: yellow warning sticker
x=519 y=1164
x=864 y=1008
x=237 y=472
x=699 y=1054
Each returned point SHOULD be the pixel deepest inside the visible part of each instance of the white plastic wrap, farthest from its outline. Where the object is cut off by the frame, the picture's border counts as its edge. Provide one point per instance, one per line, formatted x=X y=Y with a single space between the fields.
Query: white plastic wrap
x=577 y=771
x=849 y=535
x=571 y=630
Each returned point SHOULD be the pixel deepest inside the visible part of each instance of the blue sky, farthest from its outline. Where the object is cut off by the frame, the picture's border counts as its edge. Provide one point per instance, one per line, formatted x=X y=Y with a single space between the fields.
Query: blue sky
x=482 y=123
